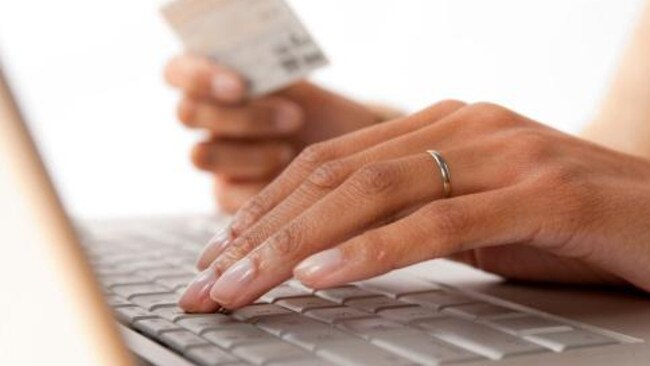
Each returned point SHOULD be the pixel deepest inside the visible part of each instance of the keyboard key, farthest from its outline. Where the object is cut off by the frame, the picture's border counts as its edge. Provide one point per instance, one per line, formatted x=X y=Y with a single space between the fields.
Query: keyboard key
x=263 y=353
x=128 y=291
x=181 y=340
x=529 y=324
x=341 y=294
x=153 y=327
x=210 y=356
x=234 y=336
x=116 y=280
x=359 y=353
x=333 y=315
x=152 y=302
x=478 y=338
x=303 y=304
x=279 y=325
x=175 y=282
x=141 y=267
x=410 y=314
x=173 y=313
x=425 y=349
x=394 y=285
x=375 y=304
x=480 y=311
x=131 y=314
x=318 y=337
x=371 y=327
x=165 y=272
x=203 y=323
x=577 y=338
x=254 y=312
x=437 y=299
x=111 y=271
x=284 y=292
x=297 y=284
x=115 y=301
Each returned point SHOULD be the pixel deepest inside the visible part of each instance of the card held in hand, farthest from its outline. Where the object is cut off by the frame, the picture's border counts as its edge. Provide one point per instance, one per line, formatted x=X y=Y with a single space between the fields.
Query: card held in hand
x=263 y=40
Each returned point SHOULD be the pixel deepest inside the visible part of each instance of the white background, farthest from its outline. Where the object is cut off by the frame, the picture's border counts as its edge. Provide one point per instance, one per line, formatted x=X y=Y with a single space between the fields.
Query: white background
x=89 y=77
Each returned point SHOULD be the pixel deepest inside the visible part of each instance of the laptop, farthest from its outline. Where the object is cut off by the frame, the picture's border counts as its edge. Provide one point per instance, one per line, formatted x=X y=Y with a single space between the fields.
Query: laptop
x=104 y=293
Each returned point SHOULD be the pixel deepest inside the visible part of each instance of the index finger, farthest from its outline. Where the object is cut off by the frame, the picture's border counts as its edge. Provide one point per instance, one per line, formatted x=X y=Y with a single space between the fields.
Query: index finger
x=199 y=77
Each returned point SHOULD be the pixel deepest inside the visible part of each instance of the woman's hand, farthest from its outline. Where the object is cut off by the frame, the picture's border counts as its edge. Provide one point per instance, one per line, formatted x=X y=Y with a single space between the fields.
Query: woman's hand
x=528 y=203
x=251 y=141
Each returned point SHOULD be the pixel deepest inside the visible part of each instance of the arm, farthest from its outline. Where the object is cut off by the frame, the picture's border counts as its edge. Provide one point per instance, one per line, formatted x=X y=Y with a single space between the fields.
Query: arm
x=624 y=120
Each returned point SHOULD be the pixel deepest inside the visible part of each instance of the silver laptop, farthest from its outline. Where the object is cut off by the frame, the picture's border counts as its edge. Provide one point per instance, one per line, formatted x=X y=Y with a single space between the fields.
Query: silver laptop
x=106 y=292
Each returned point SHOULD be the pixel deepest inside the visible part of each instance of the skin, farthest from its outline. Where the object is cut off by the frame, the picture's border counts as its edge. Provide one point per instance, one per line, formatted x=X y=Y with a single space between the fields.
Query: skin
x=529 y=202
x=250 y=141
x=624 y=119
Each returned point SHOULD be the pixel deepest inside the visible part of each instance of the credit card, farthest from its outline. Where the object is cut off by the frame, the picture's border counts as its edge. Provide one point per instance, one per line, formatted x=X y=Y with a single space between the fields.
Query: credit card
x=263 y=40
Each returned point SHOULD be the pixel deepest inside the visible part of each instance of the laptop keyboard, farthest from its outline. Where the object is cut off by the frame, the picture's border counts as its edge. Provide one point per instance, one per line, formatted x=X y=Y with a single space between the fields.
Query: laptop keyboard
x=390 y=320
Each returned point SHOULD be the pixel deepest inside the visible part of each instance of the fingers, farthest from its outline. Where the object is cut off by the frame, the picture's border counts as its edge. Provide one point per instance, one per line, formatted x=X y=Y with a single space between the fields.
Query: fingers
x=369 y=195
x=237 y=160
x=268 y=117
x=438 y=230
x=362 y=200
x=330 y=175
x=315 y=156
x=201 y=78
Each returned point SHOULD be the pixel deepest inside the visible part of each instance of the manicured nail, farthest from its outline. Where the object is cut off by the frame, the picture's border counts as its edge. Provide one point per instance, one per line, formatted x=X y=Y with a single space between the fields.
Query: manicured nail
x=288 y=117
x=320 y=265
x=217 y=245
x=227 y=87
x=233 y=282
x=197 y=296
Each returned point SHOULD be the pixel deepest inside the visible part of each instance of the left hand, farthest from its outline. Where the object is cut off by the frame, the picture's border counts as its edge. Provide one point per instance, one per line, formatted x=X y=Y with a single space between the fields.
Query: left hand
x=528 y=202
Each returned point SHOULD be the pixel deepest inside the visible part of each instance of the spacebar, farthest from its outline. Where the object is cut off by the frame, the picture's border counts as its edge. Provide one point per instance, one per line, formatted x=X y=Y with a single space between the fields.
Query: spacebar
x=478 y=338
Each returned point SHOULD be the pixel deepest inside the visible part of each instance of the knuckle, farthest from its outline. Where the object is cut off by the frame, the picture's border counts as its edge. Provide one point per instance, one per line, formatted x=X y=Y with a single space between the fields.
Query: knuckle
x=315 y=155
x=287 y=242
x=240 y=248
x=449 y=104
x=531 y=147
x=492 y=114
x=375 y=179
x=252 y=210
x=329 y=175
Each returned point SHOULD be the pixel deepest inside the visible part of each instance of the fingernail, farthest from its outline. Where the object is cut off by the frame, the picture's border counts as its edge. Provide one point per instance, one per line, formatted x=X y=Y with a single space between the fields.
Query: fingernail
x=228 y=87
x=320 y=265
x=288 y=118
x=233 y=282
x=217 y=245
x=197 y=295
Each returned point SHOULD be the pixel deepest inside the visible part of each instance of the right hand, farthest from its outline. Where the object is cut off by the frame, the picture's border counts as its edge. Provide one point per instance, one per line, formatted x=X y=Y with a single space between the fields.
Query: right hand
x=250 y=141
